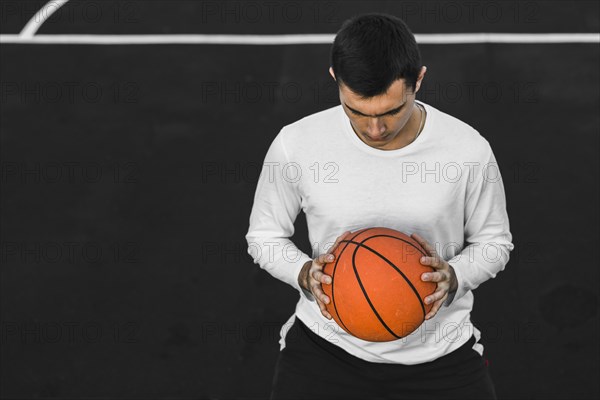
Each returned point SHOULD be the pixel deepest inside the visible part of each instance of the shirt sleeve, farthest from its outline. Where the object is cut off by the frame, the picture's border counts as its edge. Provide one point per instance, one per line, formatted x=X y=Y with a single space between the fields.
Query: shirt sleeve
x=487 y=230
x=277 y=203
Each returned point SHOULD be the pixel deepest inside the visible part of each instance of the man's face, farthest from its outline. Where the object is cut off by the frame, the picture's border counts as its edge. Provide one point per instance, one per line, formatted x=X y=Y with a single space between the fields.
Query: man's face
x=383 y=121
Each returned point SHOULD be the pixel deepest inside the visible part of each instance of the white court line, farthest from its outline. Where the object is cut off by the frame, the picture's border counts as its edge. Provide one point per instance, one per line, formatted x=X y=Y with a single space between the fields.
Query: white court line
x=442 y=38
x=34 y=24
x=28 y=36
x=423 y=38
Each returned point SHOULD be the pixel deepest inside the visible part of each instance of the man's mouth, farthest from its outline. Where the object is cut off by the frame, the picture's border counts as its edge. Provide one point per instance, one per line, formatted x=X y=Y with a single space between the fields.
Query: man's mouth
x=376 y=138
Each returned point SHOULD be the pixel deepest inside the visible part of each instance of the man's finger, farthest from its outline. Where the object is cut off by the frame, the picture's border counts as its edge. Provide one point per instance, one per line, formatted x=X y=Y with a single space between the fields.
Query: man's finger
x=436 y=307
x=338 y=240
x=435 y=296
x=319 y=294
x=319 y=276
x=434 y=277
x=324 y=310
x=324 y=259
x=432 y=261
x=429 y=248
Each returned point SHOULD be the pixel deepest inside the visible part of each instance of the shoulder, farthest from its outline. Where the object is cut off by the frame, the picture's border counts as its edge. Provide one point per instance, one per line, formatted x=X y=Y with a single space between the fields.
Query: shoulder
x=313 y=123
x=454 y=133
x=314 y=130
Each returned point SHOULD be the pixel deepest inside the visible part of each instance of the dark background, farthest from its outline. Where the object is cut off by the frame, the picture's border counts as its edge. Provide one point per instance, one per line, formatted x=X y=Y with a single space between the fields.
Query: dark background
x=128 y=174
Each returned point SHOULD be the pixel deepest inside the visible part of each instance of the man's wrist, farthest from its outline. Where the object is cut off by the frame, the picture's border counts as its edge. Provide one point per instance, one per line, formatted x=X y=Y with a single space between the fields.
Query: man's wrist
x=453 y=287
x=453 y=281
x=304 y=274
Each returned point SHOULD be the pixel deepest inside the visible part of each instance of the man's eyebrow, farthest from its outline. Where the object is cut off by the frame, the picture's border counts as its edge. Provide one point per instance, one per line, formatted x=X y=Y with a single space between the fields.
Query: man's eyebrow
x=378 y=115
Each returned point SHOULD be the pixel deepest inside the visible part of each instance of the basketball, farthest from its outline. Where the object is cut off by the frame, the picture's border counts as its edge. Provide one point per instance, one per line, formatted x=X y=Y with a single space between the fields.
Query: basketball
x=376 y=292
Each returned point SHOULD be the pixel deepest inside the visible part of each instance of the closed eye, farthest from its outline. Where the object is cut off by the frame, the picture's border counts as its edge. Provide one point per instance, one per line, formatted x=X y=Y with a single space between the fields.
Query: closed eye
x=395 y=112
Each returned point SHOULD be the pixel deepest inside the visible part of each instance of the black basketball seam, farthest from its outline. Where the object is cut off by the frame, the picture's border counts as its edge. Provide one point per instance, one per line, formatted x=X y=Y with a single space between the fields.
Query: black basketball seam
x=421 y=250
x=333 y=286
x=415 y=291
x=362 y=288
x=333 y=279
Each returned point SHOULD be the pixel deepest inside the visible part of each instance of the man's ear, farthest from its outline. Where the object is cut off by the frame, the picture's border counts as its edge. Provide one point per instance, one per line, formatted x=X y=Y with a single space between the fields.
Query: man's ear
x=331 y=73
x=420 y=79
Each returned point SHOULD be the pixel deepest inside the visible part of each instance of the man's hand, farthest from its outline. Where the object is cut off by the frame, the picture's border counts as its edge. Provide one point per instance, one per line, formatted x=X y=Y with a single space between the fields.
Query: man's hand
x=444 y=276
x=311 y=276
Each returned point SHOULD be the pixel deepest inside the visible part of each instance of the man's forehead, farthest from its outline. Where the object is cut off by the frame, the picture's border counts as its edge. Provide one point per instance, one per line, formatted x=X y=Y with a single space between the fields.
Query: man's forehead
x=394 y=98
x=397 y=90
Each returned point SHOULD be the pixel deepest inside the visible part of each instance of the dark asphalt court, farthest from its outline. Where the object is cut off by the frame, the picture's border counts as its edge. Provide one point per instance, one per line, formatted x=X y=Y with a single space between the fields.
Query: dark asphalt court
x=128 y=174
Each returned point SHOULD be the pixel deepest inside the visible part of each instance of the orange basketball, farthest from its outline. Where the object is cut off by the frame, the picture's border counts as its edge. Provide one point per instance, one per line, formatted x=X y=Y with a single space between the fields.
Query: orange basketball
x=376 y=293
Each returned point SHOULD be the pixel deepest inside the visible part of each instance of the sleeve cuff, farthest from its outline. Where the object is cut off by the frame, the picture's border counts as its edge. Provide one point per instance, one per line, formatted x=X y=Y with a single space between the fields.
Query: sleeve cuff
x=450 y=299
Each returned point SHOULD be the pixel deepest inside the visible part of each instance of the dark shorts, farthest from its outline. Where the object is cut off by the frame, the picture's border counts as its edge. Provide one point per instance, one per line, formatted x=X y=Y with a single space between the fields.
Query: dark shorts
x=310 y=367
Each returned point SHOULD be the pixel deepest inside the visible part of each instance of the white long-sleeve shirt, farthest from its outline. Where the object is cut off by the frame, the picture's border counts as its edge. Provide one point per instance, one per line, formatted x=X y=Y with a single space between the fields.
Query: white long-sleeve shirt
x=445 y=186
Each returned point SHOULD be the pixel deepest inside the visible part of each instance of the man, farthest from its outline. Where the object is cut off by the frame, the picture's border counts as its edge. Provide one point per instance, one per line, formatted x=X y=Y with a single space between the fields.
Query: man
x=381 y=158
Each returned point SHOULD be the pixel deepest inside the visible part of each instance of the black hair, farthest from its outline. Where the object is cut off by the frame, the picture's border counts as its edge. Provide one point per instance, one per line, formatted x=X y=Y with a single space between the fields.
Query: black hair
x=371 y=51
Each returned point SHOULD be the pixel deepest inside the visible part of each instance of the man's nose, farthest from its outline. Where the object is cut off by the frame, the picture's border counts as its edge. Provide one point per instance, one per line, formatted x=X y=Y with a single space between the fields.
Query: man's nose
x=376 y=126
